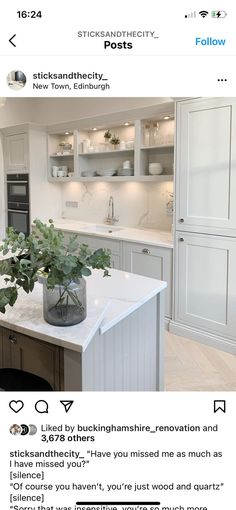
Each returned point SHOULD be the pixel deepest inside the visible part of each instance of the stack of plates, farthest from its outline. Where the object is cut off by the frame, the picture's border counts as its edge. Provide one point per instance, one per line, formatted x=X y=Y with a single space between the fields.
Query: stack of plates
x=88 y=173
x=124 y=172
x=106 y=173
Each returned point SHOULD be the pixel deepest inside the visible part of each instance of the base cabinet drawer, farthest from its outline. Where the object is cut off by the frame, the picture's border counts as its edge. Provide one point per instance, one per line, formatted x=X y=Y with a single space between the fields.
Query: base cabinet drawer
x=205 y=283
x=153 y=262
x=95 y=243
x=32 y=355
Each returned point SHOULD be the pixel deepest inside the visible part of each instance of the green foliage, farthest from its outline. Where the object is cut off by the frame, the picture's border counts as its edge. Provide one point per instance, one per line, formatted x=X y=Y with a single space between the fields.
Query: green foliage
x=107 y=135
x=45 y=252
x=115 y=140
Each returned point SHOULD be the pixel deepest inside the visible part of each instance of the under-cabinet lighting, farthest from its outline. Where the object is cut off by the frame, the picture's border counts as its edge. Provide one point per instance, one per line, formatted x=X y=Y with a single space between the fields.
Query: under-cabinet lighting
x=167 y=117
x=126 y=123
x=94 y=129
x=67 y=133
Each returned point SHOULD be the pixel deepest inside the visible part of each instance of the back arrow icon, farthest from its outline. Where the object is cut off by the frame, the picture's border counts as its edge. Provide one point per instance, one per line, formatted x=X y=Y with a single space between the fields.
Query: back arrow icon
x=10 y=40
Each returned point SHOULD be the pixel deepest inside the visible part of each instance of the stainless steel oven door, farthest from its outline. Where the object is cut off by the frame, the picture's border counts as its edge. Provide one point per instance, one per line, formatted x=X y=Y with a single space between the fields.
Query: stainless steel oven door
x=19 y=220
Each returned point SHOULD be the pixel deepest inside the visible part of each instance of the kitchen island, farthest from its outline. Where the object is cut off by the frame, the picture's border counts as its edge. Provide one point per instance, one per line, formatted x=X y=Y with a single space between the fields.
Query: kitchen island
x=118 y=347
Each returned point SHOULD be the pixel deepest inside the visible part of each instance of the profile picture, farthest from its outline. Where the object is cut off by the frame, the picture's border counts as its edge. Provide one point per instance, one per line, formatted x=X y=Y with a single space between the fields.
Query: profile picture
x=15 y=429
x=16 y=80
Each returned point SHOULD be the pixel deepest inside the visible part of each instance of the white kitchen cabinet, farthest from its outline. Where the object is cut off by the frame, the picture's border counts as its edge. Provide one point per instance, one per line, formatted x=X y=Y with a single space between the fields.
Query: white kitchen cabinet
x=205 y=283
x=16 y=153
x=153 y=262
x=95 y=242
x=206 y=166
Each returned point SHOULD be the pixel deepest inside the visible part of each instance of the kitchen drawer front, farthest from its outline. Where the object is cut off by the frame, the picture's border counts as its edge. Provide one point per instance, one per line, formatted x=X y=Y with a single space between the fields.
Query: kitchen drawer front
x=34 y=356
x=95 y=243
x=101 y=242
x=153 y=262
x=205 y=283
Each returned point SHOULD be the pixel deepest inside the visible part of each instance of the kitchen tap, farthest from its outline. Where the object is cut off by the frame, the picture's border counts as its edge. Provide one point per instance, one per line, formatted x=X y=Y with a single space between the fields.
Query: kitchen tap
x=111 y=218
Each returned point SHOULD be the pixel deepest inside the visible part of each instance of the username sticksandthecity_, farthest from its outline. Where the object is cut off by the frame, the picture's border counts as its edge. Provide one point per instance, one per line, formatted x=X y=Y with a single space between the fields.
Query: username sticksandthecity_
x=73 y=75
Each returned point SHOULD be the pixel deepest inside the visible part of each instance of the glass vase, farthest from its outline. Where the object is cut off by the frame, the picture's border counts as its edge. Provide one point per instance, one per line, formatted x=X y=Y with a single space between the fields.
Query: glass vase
x=65 y=305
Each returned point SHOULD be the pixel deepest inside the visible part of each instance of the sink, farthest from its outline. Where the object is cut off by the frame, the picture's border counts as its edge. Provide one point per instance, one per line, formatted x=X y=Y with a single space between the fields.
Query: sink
x=107 y=229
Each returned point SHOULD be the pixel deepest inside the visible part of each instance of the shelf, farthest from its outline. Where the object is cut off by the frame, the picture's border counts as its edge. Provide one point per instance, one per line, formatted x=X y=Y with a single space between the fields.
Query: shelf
x=156 y=178
x=118 y=178
x=61 y=155
x=157 y=147
x=61 y=179
x=104 y=153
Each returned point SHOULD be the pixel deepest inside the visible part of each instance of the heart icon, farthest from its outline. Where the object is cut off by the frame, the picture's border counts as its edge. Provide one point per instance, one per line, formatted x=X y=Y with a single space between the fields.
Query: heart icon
x=16 y=405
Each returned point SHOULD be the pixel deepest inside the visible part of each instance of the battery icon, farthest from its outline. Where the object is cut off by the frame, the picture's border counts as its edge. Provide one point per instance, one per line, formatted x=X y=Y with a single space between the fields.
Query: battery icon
x=218 y=14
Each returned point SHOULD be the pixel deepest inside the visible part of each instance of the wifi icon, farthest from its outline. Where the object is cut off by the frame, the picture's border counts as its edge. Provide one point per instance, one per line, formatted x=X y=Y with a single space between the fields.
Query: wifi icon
x=203 y=14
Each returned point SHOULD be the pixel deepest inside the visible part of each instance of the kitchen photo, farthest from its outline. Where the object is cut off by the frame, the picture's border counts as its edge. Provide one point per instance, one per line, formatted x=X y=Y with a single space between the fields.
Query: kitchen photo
x=118 y=244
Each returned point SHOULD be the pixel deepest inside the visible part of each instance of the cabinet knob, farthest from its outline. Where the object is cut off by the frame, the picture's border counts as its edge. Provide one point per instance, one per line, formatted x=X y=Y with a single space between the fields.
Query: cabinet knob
x=181 y=239
x=181 y=220
x=12 y=339
x=146 y=251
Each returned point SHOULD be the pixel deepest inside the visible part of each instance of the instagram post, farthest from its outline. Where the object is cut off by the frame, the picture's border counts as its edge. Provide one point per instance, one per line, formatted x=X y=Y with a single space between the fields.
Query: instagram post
x=117 y=256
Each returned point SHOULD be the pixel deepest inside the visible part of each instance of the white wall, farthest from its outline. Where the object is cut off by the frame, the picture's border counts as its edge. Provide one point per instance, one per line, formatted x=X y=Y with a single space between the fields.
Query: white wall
x=16 y=111
x=136 y=204
x=53 y=110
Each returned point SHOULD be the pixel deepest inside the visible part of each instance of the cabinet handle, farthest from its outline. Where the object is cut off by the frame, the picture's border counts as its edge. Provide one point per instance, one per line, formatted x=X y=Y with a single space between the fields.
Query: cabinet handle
x=146 y=251
x=181 y=220
x=181 y=239
x=12 y=339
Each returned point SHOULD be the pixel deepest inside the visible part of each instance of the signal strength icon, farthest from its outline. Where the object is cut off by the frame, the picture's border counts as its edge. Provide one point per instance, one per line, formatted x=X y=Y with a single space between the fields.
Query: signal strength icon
x=203 y=14
x=191 y=15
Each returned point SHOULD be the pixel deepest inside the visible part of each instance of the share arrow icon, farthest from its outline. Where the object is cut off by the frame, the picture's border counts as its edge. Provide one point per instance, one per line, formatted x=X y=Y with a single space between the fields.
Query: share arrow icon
x=67 y=404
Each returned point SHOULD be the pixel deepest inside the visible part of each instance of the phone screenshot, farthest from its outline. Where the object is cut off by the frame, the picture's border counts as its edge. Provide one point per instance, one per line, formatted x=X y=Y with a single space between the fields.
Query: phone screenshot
x=117 y=255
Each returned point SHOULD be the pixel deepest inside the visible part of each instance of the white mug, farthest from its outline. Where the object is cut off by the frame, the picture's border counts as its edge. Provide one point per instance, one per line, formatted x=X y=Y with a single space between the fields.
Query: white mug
x=55 y=171
x=61 y=173
x=64 y=168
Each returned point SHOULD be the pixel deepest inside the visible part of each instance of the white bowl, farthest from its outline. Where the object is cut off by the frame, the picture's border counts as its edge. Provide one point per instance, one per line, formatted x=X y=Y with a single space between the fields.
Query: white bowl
x=155 y=169
x=125 y=172
x=106 y=173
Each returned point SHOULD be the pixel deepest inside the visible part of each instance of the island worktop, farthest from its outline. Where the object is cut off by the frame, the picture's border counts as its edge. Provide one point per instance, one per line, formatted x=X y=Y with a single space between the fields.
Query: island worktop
x=124 y=325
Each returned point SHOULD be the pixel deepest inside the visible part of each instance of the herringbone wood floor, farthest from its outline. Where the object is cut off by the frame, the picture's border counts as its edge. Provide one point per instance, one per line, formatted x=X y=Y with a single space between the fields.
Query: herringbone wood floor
x=191 y=366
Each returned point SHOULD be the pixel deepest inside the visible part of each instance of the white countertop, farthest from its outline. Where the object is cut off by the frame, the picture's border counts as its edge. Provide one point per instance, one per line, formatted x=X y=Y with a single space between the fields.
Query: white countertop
x=109 y=300
x=138 y=235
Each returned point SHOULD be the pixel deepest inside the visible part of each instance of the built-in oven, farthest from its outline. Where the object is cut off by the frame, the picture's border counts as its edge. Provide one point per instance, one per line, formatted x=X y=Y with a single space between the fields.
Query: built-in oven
x=18 y=202
x=18 y=188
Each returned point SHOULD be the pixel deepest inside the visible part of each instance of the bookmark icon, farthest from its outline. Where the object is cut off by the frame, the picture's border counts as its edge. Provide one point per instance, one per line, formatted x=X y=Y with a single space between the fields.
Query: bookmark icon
x=67 y=404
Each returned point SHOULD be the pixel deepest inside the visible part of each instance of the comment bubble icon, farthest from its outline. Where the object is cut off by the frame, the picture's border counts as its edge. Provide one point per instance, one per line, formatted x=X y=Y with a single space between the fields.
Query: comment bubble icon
x=41 y=406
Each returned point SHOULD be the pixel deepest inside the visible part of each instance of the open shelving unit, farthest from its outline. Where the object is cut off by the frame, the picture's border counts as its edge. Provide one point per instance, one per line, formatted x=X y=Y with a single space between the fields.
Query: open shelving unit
x=91 y=151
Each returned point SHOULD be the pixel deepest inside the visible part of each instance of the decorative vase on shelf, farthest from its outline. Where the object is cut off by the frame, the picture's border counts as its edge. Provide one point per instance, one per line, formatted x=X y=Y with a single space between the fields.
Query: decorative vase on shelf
x=115 y=142
x=65 y=305
x=154 y=134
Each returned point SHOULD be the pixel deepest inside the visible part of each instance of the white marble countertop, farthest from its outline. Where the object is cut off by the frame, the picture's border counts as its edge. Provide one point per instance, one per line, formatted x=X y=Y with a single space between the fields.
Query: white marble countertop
x=109 y=300
x=137 y=235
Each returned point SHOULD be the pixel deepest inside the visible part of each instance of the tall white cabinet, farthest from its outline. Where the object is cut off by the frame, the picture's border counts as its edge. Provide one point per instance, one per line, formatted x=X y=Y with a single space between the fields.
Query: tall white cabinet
x=25 y=151
x=205 y=227
x=206 y=166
